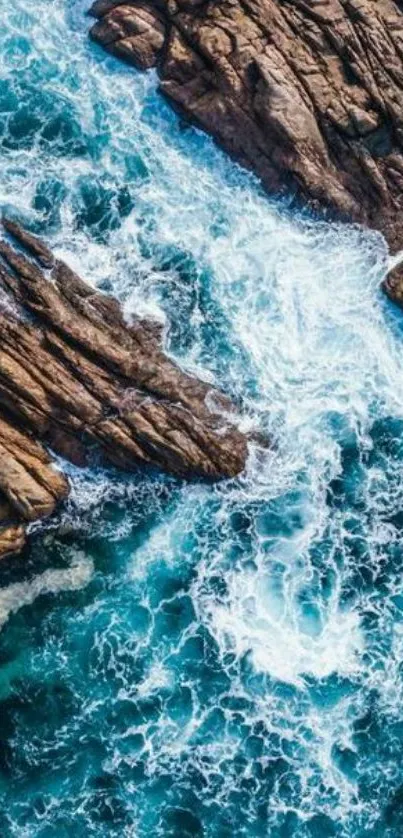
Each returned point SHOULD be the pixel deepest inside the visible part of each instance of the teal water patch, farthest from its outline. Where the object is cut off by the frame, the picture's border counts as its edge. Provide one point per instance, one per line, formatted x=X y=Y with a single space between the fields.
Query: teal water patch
x=187 y=660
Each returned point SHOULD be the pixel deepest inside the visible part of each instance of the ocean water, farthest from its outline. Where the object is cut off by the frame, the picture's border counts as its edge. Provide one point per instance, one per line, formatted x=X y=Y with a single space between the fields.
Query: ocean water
x=180 y=659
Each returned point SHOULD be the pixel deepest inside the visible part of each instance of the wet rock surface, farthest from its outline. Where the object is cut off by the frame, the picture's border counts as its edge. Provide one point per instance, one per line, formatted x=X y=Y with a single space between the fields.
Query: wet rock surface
x=76 y=379
x=307 y=94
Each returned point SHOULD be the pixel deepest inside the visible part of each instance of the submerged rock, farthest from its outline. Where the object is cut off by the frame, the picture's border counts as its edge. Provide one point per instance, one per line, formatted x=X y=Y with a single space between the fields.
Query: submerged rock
x=307 y=94
x=74 y=376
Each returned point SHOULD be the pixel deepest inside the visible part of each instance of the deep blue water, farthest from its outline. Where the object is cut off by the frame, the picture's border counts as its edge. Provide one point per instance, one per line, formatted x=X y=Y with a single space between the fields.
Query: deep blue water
x=186 y=660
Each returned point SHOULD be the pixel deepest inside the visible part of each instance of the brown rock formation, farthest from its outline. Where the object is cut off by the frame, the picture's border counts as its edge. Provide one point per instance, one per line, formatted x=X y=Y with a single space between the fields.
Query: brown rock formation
x=307 y=93
x=74 y=376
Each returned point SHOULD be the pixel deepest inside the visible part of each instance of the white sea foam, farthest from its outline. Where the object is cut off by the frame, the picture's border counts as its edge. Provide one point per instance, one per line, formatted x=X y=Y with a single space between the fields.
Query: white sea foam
x=52 y=581
x=256 y=623
x=395 y=260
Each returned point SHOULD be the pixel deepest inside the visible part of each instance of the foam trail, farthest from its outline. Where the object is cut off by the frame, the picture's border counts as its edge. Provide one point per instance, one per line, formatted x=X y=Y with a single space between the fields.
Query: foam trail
x=51 y=581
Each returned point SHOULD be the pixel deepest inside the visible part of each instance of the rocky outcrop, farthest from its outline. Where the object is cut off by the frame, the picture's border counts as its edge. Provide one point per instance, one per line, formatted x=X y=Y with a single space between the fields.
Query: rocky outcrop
x=75 y=378
x=307 y=93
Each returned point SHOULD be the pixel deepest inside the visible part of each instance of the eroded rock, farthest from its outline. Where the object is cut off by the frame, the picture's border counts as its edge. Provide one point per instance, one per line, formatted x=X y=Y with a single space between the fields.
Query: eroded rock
x=74 y=375
x=307 y=94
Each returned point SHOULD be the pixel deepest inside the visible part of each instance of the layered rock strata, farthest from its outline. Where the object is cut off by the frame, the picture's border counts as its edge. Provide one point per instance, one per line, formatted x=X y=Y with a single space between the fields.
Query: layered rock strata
x=77 y=380
x=307 y=93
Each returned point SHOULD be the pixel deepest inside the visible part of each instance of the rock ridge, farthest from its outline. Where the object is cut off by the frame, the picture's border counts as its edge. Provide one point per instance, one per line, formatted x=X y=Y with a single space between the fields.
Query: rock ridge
x=76 y=379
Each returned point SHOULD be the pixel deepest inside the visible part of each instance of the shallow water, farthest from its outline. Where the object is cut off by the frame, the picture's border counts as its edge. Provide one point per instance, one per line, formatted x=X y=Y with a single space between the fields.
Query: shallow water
x=182 y=660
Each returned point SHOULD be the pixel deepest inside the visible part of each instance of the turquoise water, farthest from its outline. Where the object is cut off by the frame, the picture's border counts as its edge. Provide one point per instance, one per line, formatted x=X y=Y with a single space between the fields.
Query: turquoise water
x=187 y=660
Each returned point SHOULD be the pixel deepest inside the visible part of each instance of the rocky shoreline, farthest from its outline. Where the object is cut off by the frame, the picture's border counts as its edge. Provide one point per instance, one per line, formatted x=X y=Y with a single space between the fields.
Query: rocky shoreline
x=309 y=95
x=76 y=379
